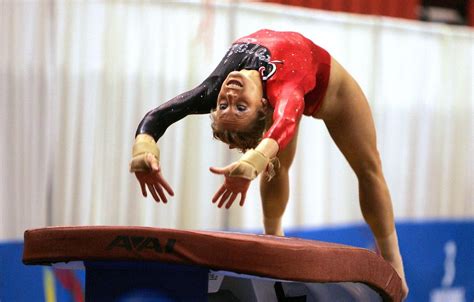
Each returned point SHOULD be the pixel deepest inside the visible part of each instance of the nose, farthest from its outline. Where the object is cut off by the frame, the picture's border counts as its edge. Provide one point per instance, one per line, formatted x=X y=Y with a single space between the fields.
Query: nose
x=231 y=95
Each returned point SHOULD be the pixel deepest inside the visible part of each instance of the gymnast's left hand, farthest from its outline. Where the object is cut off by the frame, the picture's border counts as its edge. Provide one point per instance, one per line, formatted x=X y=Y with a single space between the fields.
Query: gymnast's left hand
x=232 y=187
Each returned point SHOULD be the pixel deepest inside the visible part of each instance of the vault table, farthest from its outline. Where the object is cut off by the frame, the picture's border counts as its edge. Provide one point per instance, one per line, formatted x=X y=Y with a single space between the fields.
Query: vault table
x=126 y=263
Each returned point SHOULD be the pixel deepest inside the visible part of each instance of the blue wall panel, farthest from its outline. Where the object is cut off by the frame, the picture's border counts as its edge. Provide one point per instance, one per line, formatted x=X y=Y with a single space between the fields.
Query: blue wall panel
x=20 y=283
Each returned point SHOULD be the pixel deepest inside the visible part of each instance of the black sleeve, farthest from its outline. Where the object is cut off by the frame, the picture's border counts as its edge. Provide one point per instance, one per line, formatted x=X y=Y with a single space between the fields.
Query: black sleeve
x=199 y=100
x=203 y=98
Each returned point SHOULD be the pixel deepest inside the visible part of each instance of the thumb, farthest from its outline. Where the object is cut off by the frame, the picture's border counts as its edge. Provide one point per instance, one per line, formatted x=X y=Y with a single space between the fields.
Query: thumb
x=225 y=170
x=217 y=170
x=152 y=162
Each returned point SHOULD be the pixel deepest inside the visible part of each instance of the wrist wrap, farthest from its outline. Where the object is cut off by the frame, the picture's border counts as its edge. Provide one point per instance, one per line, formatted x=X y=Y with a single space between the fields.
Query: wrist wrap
x=143 y=145
x=250 y=165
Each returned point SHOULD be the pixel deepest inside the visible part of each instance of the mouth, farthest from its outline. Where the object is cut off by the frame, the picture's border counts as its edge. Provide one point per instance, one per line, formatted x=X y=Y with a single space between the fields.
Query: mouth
x=234 y=84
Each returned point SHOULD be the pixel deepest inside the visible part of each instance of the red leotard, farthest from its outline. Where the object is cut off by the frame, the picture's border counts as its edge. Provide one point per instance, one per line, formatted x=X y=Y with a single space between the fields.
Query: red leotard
x=294 y=70
x=299 y=83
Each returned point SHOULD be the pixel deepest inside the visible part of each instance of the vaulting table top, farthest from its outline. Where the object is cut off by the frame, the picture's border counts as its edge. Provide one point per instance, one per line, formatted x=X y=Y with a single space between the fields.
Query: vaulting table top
x=260 y=255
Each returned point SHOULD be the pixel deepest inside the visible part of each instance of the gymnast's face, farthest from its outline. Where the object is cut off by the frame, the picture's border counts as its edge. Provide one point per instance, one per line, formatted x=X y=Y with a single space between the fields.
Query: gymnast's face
x=239 y=100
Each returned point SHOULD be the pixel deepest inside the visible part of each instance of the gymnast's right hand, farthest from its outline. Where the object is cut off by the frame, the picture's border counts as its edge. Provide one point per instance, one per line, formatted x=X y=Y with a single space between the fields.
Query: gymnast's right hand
x=145 y=165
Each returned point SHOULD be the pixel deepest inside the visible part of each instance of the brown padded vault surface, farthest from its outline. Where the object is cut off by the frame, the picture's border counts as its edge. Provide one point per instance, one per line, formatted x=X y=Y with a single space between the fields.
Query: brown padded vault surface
x=261 y=255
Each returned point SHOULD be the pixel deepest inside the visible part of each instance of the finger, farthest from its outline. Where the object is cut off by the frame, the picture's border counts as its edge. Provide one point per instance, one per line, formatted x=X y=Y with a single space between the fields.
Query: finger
x=162 y=194
x=165 y=185
x=224 y=198
x=143 y=187
x=242 y=198
x=218 y=194
x=153 y=192
x=231 y=200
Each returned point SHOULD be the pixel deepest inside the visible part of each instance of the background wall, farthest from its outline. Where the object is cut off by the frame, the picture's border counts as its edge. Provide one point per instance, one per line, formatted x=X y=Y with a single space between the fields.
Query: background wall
x=77 y=77
x=459 y=12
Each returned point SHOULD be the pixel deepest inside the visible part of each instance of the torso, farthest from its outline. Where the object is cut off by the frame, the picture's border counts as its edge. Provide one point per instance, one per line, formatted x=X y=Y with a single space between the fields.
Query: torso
x=295 y=61
x=328 y=101
x=341 y=86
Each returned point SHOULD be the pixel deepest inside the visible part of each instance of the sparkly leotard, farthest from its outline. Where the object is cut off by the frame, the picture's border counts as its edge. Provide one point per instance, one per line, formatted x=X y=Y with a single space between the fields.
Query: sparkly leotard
x=294 y=70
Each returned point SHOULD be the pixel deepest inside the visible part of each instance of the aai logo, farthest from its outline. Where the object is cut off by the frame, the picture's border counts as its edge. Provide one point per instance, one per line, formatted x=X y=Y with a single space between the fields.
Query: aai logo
x=142 y=244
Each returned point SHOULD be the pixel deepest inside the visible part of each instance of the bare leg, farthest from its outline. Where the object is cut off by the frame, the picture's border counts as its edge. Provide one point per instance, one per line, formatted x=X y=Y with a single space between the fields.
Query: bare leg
x=275 y=193
x=353 y=131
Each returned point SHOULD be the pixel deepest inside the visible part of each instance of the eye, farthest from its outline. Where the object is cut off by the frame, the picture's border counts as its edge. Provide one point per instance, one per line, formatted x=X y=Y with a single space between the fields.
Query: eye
x=222 y=106
x=241 y=107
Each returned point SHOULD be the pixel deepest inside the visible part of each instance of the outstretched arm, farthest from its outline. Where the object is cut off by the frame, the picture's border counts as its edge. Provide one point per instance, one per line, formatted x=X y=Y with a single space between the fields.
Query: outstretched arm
x=199 y=100
x=287 y=113
x=146 y=155
x=286 y=116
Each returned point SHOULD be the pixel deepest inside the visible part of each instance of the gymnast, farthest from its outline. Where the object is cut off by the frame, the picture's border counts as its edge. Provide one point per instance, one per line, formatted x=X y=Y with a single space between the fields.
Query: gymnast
x=256 y=97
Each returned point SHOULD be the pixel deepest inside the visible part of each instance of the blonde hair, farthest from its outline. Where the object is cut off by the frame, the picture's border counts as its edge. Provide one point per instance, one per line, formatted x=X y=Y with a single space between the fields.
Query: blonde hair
x=243 y=139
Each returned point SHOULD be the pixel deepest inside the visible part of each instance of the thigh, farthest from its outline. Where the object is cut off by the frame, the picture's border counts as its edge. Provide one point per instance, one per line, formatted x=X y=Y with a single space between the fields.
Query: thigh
x=353 y=130
x=275 y=193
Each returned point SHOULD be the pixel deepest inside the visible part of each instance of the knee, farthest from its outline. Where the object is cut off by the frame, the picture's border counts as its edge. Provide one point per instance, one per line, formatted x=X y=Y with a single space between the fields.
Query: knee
x=369 y=170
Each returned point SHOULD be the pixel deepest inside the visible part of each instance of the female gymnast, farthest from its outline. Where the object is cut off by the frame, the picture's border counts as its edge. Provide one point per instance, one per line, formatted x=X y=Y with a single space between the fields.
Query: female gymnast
x=256 y=97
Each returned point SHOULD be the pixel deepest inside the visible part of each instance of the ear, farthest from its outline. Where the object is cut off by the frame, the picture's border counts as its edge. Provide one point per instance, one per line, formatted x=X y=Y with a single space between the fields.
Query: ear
x=264 y=102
